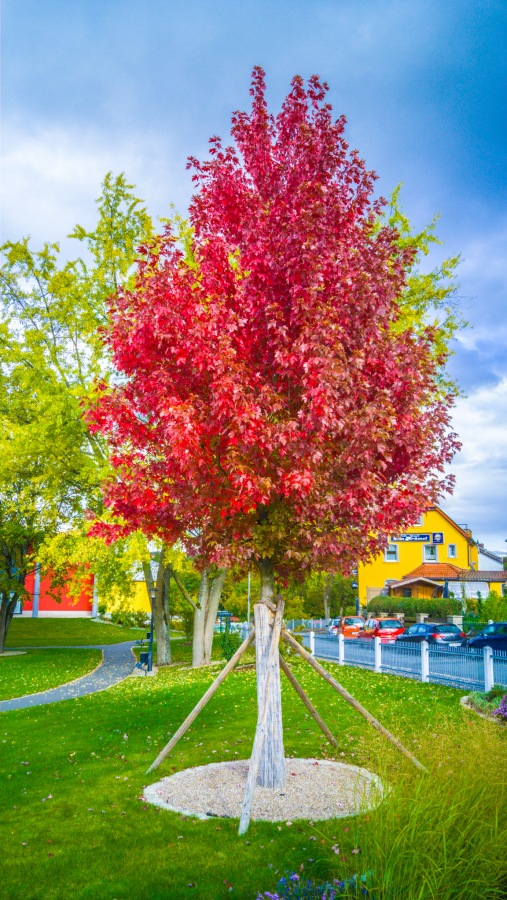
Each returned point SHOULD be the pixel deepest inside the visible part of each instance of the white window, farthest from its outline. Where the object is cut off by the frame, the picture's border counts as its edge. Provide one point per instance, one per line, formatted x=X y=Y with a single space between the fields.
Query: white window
x=419 y=521
x=430 y=553
x=391 y=554
x=451 y=551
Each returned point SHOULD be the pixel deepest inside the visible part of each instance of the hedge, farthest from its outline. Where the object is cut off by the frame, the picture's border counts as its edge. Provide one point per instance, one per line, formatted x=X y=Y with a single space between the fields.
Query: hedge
x=435 y=606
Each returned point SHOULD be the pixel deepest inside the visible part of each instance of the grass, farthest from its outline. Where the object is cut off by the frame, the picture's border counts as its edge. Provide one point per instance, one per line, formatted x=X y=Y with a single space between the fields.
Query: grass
x=40 y=670
x=26 y=632
x=72 y=776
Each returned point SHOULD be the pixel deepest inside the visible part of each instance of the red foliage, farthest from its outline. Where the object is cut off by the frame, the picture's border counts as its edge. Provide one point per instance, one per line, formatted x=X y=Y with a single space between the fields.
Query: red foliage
x=268 y=408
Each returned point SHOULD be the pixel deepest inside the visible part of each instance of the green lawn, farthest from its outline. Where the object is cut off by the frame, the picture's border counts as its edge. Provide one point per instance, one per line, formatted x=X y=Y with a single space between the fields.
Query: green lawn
x=26 y=632
x=72 y=775
x=40 y=670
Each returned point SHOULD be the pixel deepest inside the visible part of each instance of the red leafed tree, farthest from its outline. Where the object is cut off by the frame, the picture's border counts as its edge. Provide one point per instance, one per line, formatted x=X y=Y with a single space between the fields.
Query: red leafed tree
x=270 y=413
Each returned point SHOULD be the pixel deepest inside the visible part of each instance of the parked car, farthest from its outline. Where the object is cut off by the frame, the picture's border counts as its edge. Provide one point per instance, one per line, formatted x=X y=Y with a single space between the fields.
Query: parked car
x=351 y=626
x=434 y=633
x=494 y=636
x=386 y=629
x=334 y=626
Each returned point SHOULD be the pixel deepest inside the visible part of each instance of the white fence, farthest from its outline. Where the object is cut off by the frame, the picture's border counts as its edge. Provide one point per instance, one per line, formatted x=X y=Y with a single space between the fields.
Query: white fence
x=460 y=667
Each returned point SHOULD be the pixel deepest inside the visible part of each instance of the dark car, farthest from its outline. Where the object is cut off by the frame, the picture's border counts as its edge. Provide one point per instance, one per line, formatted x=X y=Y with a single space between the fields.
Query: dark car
x=433 y=633
x=494 y=636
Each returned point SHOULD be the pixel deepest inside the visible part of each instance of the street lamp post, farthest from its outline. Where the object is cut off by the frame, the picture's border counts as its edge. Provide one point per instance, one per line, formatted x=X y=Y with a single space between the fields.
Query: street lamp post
x=248 y=609
x=152 y=625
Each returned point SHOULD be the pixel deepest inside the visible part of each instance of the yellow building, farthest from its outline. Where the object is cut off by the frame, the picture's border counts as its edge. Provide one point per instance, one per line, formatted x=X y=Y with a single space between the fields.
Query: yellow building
x=423 y=558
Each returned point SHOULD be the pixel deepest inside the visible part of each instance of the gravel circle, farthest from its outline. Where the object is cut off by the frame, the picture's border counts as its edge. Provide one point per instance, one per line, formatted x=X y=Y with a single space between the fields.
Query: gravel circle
x=315 y=789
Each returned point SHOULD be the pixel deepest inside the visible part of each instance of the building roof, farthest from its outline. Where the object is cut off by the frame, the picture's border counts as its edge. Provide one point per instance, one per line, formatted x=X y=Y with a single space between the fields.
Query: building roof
x=419 y=578
x=462 y=529
x=481 y=575
x=448 y=572
x=435 y=570
x=490 y=555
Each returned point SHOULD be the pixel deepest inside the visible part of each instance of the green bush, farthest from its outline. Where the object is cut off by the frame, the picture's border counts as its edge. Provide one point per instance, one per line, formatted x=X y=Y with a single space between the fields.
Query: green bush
x=349 y=611
x=492 y=607
x=130 y=618
x=435 y=606
x=188 y=622
x=229 y=641
x=487 y=702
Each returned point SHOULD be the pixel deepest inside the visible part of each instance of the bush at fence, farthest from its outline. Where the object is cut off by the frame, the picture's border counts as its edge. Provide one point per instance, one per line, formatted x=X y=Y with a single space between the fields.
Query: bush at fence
x=121 y=614
x=439 y=607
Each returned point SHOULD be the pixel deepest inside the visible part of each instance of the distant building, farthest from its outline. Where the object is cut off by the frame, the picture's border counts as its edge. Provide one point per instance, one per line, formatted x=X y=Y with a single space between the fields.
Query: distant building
x=435 y=557
x=44 y=601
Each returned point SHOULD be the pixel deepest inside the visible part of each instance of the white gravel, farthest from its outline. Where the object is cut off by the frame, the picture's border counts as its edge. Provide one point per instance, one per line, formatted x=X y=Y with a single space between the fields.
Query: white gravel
x=315 y=789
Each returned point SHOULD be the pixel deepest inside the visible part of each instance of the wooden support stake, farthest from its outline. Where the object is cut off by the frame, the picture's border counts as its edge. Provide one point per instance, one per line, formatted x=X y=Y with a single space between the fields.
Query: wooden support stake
x=350 y=699
x=261 y=729
x=202 y=702
x=308 y=703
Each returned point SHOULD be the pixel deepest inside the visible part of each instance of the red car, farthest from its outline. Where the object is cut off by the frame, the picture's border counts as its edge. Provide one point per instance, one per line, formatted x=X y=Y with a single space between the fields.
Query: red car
x=351 y=626
x=385 y=629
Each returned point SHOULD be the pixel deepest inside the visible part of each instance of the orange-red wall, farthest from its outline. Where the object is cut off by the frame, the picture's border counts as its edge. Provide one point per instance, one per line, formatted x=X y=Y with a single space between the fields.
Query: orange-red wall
x=48 y=603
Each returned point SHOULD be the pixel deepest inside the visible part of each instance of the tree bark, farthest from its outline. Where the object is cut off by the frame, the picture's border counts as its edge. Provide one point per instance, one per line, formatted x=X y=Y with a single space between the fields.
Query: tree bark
x=215 y=593
x=205 y=613
x=7 y=607
x=327 y=596
x=200 y=621
x=272 y=761
x=160 y=608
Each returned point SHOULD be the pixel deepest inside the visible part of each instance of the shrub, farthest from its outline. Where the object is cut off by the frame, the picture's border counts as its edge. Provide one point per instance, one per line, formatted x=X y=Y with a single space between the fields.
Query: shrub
x=434 y=606
x=486 y=703
x=501 y=712
x=188 y=622
x=349 y=611
x=121 y=614
x=492 y=607
x=229 y=641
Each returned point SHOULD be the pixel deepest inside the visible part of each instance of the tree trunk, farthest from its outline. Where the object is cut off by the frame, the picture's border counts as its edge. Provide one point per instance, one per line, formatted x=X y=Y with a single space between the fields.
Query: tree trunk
x=215 y=593
x=272 y=763
x=160 y=608
x=327 y=596
x=205 y=614
x=7 y=607
x=200 y=621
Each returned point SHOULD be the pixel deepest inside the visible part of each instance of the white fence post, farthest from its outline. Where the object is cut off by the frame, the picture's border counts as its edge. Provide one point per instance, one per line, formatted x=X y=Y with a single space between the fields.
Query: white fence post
x=378 y=654
x=312 y=643
x=341 y=650
x=489 y=678
x=425 y=661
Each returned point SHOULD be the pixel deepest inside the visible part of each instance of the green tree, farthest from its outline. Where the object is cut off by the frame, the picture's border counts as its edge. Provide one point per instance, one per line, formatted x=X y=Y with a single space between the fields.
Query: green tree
x=51 y=358
x=430 y=297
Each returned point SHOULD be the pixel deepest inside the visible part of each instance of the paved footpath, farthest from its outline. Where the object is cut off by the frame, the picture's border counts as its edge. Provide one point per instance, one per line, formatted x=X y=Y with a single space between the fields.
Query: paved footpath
x=118 y=662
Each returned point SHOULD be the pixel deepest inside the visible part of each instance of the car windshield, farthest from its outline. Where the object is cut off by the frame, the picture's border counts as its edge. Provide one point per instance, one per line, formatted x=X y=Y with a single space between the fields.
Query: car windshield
x=390 y=623
x=446 y=629
x=351 y=621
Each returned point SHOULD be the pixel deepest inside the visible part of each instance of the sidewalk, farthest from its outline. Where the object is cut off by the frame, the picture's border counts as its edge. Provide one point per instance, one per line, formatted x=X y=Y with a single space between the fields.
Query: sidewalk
x=117 y=664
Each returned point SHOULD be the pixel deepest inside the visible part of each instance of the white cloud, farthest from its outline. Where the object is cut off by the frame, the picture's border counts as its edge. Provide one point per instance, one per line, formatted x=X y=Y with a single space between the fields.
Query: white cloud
x=480 y=497
x=52 y=175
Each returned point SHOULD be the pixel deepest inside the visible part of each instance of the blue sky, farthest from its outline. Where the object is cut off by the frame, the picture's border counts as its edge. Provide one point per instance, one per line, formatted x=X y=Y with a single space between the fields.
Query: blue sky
x=126 y=85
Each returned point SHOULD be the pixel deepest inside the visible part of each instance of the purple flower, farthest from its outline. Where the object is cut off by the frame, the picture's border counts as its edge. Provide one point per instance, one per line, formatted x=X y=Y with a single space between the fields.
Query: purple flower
x=502 y=709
